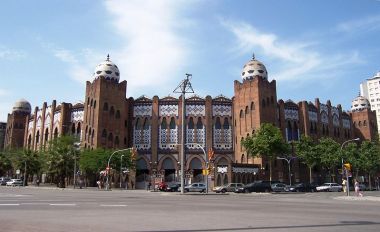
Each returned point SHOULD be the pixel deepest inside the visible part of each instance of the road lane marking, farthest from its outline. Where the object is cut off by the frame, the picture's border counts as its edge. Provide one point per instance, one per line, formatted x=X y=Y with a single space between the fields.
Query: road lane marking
x=113 y=205
x=9 y=204
x=63 y=204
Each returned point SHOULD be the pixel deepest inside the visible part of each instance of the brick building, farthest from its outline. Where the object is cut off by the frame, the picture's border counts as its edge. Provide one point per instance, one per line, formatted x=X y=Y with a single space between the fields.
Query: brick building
x=153 y=125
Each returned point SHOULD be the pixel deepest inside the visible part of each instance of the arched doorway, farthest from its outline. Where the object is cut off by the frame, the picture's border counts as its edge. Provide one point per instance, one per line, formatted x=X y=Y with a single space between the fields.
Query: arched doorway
x=169 y=169
x=196 y=168
x=142 y=174
x=222 y=173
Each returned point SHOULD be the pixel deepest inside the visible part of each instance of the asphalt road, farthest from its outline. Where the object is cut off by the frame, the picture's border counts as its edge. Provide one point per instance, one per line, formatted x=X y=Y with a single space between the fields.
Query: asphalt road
x=42 y=209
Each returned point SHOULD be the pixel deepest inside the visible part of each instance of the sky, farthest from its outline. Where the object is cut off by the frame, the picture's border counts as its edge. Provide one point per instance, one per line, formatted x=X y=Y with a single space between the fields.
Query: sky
x=313 y=49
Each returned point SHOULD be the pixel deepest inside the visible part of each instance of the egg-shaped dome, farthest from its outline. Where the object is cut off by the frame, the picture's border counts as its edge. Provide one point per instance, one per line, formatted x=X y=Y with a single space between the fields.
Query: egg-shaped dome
x=360 y=103
x=108 y=70
x=254 y=68
x=22 y=105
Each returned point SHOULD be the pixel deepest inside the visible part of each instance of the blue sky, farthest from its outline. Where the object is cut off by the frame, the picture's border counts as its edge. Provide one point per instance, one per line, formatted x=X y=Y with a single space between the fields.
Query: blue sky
x=49 y=49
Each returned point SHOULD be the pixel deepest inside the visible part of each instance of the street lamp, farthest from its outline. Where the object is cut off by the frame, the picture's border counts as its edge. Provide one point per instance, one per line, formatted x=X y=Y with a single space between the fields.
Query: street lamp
x=121 y=164
x=108 y=164
x=345 y=171
x=76 y=148
x=287 y=160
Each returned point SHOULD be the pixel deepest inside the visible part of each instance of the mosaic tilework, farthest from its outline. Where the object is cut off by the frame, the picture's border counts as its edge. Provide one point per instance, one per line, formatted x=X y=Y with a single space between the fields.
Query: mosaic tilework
x=47 y=121
x=324 y=118
x=324 y=108
x=346 y=123
x=168 y=110
x=195 y=110
x=77 y=116
x=313 y=116
x=57 y=119
x=222 y=138
x=222 y=110
x=141 y=139
x=291 y=114
x=335 y=120
x=30 y=125
x=142 y=110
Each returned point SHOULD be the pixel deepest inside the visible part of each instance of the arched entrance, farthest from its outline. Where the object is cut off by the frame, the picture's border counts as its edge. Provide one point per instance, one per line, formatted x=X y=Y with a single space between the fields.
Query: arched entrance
x=142 y=174
x=169 y=169
x=222 y=173
x=196 y=168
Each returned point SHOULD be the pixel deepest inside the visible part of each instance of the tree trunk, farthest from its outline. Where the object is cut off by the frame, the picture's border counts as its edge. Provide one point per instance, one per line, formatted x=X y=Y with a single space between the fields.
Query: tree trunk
x=369 y=181
x=310 y=175
x=270 y=170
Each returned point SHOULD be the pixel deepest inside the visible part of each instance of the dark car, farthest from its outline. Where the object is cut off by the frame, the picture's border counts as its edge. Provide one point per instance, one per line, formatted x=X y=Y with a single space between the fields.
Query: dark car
x=173 y=187
x=4 y=180
x=302 y=187
x=257 y=186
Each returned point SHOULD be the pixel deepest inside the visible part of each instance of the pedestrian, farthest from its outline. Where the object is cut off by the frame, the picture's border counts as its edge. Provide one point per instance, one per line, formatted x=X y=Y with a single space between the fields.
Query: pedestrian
x=357 y=189
x=149 y=185
x=344 y=185
x=132 y=184
x=38 y=182
x=98 y=183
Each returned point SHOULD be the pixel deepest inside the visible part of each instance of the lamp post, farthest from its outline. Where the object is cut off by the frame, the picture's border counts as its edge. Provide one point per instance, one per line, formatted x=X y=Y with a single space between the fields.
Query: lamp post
x=121 y=164
x=23 y=182
x=287 y=160
x=345 y=171
x=183 y=88
x=108 y=164
x=76 y=148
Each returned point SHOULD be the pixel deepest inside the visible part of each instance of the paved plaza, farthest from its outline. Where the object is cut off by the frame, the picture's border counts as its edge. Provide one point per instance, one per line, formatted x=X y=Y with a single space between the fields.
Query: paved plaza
x=50 y=209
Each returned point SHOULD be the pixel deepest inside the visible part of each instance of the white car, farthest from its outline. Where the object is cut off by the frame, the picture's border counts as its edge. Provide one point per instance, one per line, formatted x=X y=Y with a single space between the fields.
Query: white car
x=15 y=182
x=329 y=187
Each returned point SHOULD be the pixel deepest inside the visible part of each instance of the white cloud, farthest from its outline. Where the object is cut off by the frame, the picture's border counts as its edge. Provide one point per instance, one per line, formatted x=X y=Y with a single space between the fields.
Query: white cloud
x=3 y=92
x=11 y=54
x=293 y=60
x=368 y=23
x=152 y=47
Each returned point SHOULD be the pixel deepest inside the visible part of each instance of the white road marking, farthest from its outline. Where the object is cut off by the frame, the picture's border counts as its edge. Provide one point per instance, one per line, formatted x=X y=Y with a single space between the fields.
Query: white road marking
x=8 y=204
x=113 y=205
x=33 y=203
x=63 y=204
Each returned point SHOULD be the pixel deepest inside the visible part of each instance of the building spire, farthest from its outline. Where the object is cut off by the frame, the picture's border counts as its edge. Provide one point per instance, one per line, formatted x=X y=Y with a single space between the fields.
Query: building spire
x=253 y=56
x=108 y=57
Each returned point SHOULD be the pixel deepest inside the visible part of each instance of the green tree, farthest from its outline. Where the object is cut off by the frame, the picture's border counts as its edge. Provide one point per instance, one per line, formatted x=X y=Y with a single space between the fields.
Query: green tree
x=5 y=163
x=266 y=142
x=369 y=159
x=329 y=153
x=59 y=158
x=306 y=151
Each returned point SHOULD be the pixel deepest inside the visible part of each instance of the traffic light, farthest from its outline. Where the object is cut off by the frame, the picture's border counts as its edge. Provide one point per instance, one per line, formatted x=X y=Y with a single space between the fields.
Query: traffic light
x=134 y=154
x=211 y=155
x=347 y=166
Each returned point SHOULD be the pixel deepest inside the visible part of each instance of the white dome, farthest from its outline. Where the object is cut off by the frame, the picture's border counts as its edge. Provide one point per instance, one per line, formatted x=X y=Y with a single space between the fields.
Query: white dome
x=360 y=103
x=254 y=68
x=108 y=70
x=22 y=105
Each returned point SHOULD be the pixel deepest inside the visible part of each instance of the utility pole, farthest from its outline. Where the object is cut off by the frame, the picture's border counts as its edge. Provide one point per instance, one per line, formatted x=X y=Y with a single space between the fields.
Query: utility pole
x=183 y=88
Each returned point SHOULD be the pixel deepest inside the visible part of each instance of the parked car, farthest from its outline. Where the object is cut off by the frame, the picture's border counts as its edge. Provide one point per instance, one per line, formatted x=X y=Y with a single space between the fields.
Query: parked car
x=231 y=187
x=329 y=187
x=4 y=180
x=278 y=187
x=15 y=182
x=302 y=187
x=257 y=186
x=196 y=187
x=173 y=187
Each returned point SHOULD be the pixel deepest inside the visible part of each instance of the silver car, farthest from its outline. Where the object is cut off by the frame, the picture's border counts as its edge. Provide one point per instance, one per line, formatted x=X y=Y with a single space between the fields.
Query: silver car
x=231 y=187
x=329 y=187
x=196 y=187
x=15 y=182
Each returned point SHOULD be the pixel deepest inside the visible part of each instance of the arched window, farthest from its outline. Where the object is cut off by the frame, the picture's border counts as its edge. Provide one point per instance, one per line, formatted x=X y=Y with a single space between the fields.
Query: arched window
x=38 y=137
x=242 y=158
x=365 y=123
x=172 y=123
x=46 y=134
x=263 y=103
x=268 y=101
x=91 y=103
x=241 y=114
x=137 y=125
x=226 y=125
x=110 y=137
x=199 y=123
x=191 y=124
x=29 y=141
x=105 y=106
x=78 y=128
x=112 y=111
x=73 y=128
x=246 y=110
x=146 y=124
x=360 y=123
x=104 y=133
x=164 y=125
x=117 y=114
x=55 y=133
x=218 y=125
x=295 y=131
x=252 y=106
x=289 y=127
x=94 y=104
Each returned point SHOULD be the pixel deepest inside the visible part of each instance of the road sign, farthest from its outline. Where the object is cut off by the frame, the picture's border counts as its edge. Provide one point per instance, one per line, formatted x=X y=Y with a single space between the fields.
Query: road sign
x=18 y=172
x=205 y=172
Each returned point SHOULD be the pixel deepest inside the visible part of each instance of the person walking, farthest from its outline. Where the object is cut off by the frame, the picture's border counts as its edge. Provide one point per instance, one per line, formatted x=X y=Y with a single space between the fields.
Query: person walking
x=357 y=189
x=344 y=185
